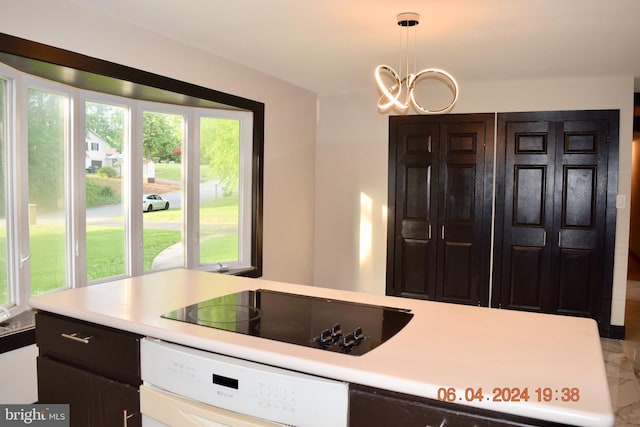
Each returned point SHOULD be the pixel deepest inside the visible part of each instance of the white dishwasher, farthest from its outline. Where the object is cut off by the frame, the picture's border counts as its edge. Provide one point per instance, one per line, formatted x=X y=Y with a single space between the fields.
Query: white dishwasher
x=189 y=387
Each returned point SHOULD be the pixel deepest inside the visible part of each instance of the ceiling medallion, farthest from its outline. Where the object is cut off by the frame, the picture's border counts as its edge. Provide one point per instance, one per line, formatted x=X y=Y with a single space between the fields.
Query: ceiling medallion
x=398 y=92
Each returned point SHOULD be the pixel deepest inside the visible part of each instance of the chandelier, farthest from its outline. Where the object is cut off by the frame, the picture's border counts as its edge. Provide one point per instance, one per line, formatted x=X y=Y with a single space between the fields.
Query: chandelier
x=398 y=92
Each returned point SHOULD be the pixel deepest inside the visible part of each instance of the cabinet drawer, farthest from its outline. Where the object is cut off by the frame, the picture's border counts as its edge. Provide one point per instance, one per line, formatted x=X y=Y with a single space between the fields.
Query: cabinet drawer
x=107 y=351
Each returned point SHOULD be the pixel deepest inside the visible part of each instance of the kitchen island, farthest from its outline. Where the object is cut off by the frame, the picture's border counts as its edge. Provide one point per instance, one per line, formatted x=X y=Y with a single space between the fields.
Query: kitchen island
x=446 y=352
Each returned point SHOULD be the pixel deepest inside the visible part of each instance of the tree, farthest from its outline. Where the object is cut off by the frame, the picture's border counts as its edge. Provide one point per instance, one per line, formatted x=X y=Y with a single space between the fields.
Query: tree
x=107 y=121
x=46 y=132
x=161 y=134
x=220 y=149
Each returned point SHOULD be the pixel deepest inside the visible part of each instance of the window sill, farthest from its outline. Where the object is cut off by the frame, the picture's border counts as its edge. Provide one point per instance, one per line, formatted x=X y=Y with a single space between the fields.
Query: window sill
x=238 y=271
x=17 y=332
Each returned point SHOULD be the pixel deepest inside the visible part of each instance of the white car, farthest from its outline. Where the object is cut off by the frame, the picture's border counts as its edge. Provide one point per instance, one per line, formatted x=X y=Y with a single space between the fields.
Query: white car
x=154 y=202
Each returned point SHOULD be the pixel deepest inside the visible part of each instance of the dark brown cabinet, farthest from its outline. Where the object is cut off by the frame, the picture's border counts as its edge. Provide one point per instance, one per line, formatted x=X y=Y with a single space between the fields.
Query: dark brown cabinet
x=440 y=183
x=552 y=204
x=373 y=407
x=95 y=369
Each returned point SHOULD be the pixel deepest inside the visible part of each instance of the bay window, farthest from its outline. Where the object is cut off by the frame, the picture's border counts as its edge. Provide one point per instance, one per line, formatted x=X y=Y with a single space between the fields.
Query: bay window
x=96 y=185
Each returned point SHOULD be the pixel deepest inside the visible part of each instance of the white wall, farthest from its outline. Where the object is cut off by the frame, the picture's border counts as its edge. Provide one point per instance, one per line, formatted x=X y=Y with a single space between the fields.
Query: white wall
x=351 y=166
x=18 y=373
x=290 y=112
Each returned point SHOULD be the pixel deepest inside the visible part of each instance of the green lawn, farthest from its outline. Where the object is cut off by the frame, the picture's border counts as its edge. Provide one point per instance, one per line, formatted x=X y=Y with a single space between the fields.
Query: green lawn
x=105 y=246
x=105 y=253
x=218 y=249
x=221 y=211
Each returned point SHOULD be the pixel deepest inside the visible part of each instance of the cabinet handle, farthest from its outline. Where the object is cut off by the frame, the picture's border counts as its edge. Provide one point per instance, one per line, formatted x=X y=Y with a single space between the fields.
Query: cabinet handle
x=442 y=232
x=559 y=239
x=442 y=424
x=75 y=337
x=544 y=238
x=429 y=232
x=125 y=418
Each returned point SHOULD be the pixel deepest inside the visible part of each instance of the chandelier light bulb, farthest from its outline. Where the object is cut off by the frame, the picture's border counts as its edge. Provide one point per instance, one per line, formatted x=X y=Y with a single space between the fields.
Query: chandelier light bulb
x=399 y=92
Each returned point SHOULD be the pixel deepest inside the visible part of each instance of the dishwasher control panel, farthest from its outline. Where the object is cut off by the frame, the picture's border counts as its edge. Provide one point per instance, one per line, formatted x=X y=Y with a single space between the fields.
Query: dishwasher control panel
x=249 y=388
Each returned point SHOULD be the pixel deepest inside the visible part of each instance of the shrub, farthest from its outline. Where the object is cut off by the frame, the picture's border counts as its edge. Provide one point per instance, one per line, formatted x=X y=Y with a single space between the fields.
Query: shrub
x=99 y=195
x=106 y=192
x=107 y=172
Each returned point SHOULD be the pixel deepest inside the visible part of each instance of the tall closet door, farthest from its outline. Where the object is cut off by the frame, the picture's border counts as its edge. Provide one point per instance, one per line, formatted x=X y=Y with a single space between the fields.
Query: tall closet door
x=528 y=171
x=413 y=209
x=439 y=212
x=555 y=222
x=580 y=198
x=462 y=210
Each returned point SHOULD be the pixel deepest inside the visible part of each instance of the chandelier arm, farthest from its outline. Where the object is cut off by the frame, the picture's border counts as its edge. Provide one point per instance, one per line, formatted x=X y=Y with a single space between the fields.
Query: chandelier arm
x=443 y=74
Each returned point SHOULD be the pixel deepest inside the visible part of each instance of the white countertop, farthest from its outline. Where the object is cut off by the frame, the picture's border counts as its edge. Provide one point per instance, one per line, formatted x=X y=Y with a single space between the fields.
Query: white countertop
x=444 y=345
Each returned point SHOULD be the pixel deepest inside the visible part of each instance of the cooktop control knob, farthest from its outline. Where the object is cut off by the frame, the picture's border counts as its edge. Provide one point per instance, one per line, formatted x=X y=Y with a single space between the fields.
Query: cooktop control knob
x=336 y=331
x=353 y=339
x=347 y=342
x=334 y=337
x=358 y=335
x=325 y=337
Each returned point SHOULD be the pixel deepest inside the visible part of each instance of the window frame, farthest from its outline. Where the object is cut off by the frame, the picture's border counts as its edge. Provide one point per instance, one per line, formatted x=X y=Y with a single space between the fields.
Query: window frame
x=25 y=83
x=12 y=214
x=79 y=192
x=192 y=252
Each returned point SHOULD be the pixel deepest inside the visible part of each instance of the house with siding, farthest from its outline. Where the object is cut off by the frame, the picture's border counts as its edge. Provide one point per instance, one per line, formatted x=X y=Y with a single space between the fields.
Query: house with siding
x=99 y=153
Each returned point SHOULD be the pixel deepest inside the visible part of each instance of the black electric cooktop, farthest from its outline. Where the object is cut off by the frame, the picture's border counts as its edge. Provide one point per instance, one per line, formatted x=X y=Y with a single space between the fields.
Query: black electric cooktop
x=326 y=324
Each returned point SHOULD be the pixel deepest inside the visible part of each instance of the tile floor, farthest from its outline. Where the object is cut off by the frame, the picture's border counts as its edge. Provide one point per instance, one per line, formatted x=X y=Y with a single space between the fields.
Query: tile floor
x=622 y=363
x=622 y=358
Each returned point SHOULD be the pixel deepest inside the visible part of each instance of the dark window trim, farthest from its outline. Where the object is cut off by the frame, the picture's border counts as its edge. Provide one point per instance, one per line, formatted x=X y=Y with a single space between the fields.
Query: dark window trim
x=104 y=76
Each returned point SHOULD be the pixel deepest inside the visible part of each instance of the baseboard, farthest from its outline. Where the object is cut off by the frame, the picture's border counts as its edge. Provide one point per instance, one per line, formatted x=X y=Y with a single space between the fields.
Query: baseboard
x=612 y=331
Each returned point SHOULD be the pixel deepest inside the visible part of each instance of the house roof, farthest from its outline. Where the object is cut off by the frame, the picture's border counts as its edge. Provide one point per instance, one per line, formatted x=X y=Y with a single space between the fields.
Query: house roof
x=91 y=136
x=333 y=46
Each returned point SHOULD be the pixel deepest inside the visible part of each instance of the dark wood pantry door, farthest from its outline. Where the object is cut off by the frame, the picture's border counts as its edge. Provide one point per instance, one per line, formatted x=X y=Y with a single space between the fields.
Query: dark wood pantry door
x=553 y=241
x=440 y=207
x=528 y=213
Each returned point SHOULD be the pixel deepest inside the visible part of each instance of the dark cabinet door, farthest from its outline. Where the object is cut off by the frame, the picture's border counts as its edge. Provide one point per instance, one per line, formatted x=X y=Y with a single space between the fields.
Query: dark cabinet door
x=553 y=186
x=440 y=207
x=93 y=368
x=93 y=400
x=374 y=407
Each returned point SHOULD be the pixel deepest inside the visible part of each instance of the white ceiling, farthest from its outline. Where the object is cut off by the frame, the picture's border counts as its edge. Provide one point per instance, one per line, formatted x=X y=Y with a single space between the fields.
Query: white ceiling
x=332 y=46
